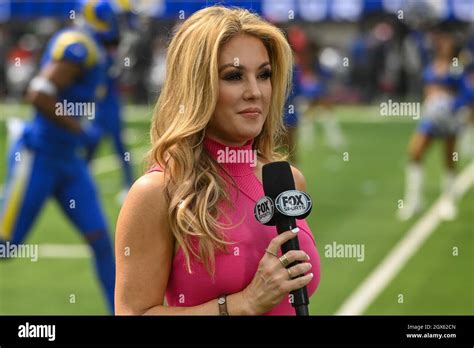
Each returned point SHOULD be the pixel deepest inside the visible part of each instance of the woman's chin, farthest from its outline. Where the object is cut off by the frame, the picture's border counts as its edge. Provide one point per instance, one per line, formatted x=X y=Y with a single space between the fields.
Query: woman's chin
x=249 y=134
x=250 y=130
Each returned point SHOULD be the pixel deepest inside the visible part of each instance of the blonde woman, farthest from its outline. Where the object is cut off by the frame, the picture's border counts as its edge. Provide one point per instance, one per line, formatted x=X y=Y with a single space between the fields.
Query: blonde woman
x=186 y=232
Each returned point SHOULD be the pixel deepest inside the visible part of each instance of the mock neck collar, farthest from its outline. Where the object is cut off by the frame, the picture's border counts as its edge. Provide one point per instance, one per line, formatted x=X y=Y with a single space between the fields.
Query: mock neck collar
x=236 y=160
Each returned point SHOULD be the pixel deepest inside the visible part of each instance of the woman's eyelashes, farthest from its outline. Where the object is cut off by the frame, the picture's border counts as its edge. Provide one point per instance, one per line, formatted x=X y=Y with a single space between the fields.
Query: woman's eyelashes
x=233 y=76
x=237 y=75
x=266 y=74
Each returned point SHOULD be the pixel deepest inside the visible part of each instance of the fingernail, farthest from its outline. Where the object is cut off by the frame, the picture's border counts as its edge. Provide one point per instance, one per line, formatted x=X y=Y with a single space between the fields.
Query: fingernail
x=308 y=257
x=295 y=230
x=311 y=275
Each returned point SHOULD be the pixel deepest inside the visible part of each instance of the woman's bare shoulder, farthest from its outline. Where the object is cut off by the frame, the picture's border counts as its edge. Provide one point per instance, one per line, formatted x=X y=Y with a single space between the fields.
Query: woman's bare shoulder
x=300 y=181
x=145 y=203
x=148 y=189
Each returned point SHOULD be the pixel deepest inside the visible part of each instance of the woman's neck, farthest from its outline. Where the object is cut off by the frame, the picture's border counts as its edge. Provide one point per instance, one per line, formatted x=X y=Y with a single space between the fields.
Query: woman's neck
x=237 y=160
x=227 y=142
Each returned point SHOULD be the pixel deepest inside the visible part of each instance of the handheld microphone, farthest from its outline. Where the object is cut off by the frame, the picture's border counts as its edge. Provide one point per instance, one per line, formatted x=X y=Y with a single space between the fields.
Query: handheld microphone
x=280 y=207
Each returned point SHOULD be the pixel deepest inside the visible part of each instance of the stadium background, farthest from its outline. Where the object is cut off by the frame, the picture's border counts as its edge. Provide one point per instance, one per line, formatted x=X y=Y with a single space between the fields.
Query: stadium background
x=355 y=186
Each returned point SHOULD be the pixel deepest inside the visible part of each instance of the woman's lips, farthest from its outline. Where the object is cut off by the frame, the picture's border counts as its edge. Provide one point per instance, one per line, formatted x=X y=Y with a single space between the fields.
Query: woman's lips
x=250 y=114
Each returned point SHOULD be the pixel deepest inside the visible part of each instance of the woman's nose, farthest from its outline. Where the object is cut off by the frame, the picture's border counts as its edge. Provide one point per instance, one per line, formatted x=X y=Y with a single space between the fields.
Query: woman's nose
x=252 y=89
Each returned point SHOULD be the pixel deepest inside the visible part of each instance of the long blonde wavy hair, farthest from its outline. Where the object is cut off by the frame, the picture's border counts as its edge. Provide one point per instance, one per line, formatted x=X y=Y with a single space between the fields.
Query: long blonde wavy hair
x=194 y=184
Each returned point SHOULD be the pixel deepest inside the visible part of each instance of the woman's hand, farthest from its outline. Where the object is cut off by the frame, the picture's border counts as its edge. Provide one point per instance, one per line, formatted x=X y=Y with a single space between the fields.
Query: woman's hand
x=272 y=282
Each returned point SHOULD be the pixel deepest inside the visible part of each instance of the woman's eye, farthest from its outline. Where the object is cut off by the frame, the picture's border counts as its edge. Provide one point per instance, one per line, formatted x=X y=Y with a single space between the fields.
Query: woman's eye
x=266 y=75
x=236 y=76
x=233 y=76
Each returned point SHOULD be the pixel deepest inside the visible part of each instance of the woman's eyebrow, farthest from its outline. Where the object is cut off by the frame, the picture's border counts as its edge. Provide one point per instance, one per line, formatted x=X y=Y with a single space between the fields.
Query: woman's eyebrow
x=240 y=66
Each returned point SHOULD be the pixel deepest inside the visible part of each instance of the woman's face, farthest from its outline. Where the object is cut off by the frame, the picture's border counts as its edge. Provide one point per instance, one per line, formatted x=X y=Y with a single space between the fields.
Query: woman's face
x=244 y=91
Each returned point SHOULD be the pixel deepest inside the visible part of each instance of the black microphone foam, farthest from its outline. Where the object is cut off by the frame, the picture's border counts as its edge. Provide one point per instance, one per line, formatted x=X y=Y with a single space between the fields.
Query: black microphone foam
x=277 y=177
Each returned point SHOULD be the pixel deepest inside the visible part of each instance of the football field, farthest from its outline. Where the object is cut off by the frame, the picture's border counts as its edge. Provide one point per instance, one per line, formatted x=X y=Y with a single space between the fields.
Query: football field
x=356 y=192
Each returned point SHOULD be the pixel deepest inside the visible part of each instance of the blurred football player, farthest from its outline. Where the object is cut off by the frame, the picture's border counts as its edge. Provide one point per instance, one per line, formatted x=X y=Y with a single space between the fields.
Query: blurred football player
x=46 y=160
x=108 y=117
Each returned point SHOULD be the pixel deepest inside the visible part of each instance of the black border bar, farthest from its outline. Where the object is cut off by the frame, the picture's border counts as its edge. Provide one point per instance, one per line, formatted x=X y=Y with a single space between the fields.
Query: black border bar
x=329 y=330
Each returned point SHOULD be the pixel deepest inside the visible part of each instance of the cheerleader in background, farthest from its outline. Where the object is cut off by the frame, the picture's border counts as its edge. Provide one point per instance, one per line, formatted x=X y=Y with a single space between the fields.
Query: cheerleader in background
x=442 y=80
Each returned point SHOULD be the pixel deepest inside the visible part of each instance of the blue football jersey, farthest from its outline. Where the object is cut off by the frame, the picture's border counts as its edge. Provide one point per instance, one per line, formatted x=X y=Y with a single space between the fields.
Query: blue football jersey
x=77 y=46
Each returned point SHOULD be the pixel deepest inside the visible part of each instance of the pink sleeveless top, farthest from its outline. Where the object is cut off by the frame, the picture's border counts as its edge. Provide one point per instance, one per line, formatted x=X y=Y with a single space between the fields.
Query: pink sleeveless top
x=236 y=268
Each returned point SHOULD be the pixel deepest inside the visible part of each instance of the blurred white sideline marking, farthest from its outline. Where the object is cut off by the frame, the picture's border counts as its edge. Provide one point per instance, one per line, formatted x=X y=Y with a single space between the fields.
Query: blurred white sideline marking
x=378 y=280
x=63 y=251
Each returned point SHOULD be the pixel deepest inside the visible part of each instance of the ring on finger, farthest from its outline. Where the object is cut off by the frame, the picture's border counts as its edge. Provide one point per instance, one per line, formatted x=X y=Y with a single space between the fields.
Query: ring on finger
x=289 y=273
x=284 y=260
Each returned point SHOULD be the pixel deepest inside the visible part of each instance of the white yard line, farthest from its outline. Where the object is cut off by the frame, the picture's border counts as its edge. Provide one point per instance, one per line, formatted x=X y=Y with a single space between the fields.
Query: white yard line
x=63 y=251
x=378 y=280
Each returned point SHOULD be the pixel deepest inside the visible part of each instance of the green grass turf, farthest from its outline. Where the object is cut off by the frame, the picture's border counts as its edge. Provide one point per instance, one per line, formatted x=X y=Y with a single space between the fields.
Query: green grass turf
x=355 y=202
x=438 y=280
